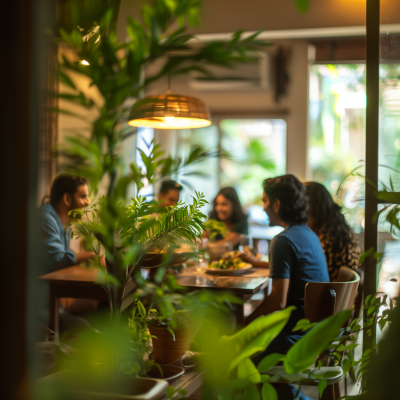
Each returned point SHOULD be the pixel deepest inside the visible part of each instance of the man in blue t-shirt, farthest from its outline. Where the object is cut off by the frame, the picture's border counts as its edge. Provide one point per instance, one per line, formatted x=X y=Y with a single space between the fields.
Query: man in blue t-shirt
x=296 y=257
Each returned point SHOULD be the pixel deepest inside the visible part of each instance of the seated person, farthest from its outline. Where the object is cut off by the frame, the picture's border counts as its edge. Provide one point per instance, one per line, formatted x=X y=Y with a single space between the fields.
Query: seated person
x=296 y=258
x=227 y=209
x=67 y=193
x=338 y=240
x=169 y=193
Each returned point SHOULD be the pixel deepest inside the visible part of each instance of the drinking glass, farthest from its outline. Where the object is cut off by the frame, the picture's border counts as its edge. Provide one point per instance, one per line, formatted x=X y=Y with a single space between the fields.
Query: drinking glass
x=245 y=241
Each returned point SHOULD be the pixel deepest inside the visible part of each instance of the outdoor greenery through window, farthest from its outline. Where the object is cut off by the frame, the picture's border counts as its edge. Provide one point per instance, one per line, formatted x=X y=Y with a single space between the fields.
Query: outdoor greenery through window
x=337 y=134
x=337 y=104
x=250 y=150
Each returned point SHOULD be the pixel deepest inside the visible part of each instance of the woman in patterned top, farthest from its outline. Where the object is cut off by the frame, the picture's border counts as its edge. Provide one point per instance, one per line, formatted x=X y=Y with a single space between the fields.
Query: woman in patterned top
x=338 y=240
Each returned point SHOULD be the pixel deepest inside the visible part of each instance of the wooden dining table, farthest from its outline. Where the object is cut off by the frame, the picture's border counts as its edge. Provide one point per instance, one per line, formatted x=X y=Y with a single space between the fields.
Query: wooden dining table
x=244 y=285
x=83 y=283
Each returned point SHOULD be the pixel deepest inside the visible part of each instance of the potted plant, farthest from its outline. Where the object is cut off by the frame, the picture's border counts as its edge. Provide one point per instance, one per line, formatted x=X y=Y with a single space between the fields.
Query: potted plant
x=125 y=231
x=170 y=344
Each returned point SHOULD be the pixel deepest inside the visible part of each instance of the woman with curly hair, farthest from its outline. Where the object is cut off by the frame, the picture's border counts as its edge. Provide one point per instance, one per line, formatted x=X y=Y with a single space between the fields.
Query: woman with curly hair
x=338 y=240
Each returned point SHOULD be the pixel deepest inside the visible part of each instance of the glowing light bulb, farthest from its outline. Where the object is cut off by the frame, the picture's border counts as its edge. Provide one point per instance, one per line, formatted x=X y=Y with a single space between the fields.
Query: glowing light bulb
x=169 y=120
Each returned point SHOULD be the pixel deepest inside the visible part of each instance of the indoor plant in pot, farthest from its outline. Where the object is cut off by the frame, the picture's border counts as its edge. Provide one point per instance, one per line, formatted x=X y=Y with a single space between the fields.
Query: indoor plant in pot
x=171 y=344
x=115 y=70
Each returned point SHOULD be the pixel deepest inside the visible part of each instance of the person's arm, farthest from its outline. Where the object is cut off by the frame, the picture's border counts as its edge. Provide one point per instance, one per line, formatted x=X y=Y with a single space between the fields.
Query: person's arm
x=253 y=260
x=232 y=237
x=276 y=301
x=282 y=258
x=52 y=238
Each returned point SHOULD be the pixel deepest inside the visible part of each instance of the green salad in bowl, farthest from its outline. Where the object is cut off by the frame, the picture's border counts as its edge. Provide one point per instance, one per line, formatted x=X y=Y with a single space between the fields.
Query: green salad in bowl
x=230 y=261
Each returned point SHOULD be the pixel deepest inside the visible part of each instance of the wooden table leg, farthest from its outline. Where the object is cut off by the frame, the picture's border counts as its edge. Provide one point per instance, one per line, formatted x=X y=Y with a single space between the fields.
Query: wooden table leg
x=239 y=314
x=54 y=317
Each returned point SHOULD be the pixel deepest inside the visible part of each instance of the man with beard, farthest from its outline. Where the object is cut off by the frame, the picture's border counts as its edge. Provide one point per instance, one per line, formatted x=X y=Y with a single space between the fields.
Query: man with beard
x=67 y=193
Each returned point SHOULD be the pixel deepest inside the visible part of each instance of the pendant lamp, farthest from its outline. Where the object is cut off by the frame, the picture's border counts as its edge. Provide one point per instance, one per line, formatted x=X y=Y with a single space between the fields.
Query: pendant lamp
x=170 y=111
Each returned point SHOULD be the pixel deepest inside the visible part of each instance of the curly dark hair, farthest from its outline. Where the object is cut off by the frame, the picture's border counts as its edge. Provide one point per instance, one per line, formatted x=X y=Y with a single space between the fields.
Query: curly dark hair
x=326 y=217
x=292 y=195
x=237 y=212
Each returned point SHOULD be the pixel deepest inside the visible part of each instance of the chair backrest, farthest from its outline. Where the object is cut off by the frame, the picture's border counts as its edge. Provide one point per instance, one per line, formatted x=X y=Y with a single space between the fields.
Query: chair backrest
x=323 y=299
x=345 y=274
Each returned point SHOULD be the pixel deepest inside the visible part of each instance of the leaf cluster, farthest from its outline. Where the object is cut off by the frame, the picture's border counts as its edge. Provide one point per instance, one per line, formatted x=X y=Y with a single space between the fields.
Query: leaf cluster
x=230 y=371
x=377 y=311
x=215 y=228
x=116 y=70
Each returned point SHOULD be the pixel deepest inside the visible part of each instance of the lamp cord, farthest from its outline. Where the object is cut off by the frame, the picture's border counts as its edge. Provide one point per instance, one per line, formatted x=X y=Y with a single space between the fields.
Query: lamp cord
x=169 y=74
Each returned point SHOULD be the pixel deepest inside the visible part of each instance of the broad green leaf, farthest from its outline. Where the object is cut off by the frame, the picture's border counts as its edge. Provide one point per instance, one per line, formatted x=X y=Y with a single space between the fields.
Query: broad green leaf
x=371 y=310
x=141 y=309
x=265 y=378
x=268 y=392
x=269 y=361
x=351 y=346
x=275 y=378
x=76 y=214
x=170 y=391
x=171 y=332
x=251 y=393
x=247 y=370
x=346 y=366
x=104 y=277
x=382 y=323
x=254 y=338
x=322 y=384
x=303 y=353
x=301 y=324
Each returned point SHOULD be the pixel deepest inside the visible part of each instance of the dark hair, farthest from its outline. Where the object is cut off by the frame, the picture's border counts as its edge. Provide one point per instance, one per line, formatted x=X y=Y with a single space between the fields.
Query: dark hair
x=326 y=216
x=168 y=185
x=237 y=212
x=292 y=196
x=65 y=184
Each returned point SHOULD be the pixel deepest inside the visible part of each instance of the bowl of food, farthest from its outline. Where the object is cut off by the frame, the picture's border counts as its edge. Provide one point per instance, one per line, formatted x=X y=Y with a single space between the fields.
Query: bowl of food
x=229 y=264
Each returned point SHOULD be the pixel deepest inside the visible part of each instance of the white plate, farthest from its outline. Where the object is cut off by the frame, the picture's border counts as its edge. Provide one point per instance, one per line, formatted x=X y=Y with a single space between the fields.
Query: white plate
x=218 y=271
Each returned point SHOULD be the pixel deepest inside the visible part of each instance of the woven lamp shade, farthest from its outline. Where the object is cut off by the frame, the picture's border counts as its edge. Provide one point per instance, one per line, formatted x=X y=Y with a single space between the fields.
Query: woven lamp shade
x=170 y=111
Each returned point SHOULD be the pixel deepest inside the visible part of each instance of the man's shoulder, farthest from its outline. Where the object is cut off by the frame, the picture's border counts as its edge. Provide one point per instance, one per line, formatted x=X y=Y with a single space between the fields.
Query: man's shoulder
x=282 y=240
x=295 y=235
x=47 y=215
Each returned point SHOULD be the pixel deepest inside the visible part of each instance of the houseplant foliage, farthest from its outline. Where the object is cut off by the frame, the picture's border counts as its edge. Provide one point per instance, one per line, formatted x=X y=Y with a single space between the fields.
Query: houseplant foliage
x=229 y=370
x=126 y=230
x=116 y=69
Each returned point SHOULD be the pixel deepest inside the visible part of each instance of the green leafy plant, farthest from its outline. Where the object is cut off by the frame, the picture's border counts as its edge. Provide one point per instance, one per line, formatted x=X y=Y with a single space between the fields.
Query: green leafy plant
x=215 y=228
x=378 y=311
x=115 y=70
x=138 y=362
x=230 y=372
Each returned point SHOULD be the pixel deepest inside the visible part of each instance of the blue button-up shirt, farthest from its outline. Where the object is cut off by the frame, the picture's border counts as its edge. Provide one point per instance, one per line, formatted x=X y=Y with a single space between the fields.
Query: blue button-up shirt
x=55 y=240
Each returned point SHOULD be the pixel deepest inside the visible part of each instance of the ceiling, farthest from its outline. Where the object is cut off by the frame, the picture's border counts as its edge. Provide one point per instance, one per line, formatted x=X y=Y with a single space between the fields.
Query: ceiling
x=219 y=16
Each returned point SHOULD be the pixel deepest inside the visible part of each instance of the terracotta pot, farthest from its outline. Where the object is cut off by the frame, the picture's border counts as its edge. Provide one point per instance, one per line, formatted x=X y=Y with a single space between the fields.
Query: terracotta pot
x=165 y=349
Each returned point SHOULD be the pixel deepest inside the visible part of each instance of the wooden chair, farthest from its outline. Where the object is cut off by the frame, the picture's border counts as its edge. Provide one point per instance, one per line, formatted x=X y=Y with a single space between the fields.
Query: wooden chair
x=323 y=299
